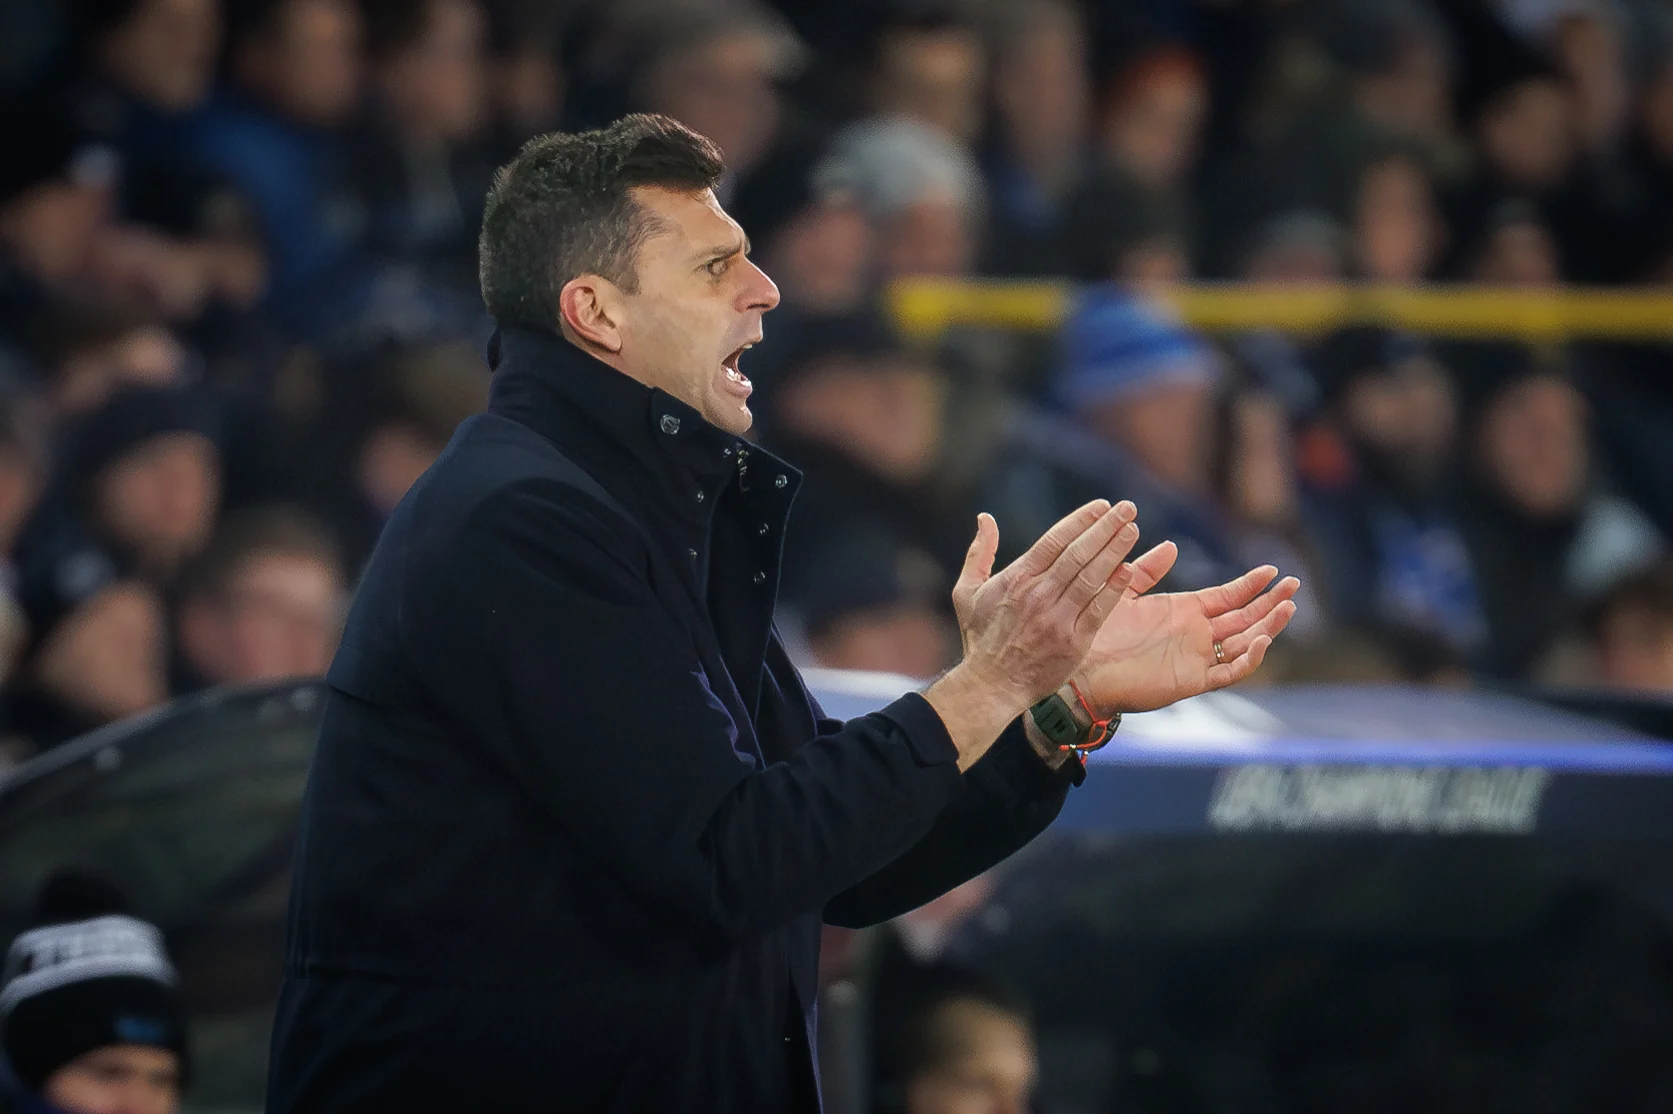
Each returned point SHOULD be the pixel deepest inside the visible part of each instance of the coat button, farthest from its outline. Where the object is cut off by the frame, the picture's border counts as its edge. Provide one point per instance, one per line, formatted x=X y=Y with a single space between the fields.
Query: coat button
x=692 y=553
x=702 y=496
x=763 y=530
x=670 y=424
x=780 y=481
x=760 y=577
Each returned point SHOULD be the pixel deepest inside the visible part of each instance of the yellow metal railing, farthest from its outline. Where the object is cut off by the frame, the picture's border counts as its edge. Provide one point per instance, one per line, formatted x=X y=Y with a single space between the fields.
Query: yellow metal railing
x=926 y=307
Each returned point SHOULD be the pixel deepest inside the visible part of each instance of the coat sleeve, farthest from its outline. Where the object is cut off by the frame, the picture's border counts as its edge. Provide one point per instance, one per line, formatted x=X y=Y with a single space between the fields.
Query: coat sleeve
x=1008 y=797
x=593 y=699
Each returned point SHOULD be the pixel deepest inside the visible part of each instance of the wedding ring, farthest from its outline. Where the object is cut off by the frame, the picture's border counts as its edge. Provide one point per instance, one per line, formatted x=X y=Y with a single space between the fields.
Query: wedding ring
x=1219 y=652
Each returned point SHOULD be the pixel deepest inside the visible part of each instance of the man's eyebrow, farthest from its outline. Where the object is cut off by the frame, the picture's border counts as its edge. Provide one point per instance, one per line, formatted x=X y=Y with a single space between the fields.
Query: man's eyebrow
x=723 y=251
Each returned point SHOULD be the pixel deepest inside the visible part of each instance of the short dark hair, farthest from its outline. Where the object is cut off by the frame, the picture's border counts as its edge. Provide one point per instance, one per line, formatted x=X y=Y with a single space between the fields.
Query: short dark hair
x=563 y=207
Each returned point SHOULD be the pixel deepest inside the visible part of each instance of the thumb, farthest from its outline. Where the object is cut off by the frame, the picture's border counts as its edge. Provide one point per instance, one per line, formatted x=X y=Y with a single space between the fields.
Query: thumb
x=978 y=562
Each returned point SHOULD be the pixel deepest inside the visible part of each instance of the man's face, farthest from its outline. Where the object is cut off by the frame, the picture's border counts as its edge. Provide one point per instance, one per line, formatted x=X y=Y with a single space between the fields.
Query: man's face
x=118 y=1079
x=936 y=77
x=1534 y=445
x=1396 y=227
x=107 y=659
x=1407 y=416
x=1530 y=135
x=165 y=52
x=1043 y=93
x=1155 y=131
x=439 y=86
x=699 y=306
x=278 y=619
x=1168 y=427
x=308 y=67
x=160 y=499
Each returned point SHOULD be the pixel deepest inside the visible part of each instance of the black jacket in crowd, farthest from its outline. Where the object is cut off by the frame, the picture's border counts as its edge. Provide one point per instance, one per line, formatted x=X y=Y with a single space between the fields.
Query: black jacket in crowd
x=574 y=821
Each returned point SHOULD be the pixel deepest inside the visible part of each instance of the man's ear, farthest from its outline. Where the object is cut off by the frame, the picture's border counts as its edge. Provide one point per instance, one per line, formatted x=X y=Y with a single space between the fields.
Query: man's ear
x=590 y=307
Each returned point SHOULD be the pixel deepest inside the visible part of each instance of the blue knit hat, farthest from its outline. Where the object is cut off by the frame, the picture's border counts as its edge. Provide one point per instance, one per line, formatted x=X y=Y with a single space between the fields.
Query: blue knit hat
x=1115 y=344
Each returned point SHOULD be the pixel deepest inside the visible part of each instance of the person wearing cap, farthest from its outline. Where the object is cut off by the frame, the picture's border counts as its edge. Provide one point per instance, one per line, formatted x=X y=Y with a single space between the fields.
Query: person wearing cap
x=138 y=495
x=92 y=1019
x=923 y=190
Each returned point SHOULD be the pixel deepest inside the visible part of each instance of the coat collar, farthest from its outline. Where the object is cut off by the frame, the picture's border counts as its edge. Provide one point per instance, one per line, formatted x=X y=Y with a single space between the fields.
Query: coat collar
x=548 y=384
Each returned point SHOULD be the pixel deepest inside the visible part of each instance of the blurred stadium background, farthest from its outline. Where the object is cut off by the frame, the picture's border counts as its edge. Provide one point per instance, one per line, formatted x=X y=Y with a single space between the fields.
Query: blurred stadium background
x=1373 y=290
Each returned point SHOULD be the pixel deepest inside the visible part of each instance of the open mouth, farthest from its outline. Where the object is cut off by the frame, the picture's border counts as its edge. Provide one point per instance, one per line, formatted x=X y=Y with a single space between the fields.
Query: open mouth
x=737 y=380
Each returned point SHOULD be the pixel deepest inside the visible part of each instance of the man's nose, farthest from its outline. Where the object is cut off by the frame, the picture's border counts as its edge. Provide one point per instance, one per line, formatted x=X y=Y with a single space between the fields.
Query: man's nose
x=760 y=290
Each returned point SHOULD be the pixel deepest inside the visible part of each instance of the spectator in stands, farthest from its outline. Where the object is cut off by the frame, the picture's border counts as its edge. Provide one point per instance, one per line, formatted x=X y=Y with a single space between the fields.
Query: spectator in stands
x=716 y=69
x=1396 y=229
x=263 y=603
x=137 y=497
x=1040 y=149
x=92 y=1019
x=385 y=427
x=147 y=68
x=526 y=82
x=23 y=477
x=1631 y=629
x=92 y=352
x=811 y=233
x=922 y=190
x=1515 y=248
x=953 y=1040
x=1300 y=246
x=157 y=55
x=1152 y=115
x=277 y=134
x=867 y=602
x=1116 y=230
x=98 y=653
x=1380 y=502
x=417 y=165
x=1526 y=118
x=60 y=237
x=1400 y=66
x=1587 y=43
x=930 y=67
x=1255 y=484
x=143 y=472
x=866 y=421
x=1140 y=389
x=1542 y=529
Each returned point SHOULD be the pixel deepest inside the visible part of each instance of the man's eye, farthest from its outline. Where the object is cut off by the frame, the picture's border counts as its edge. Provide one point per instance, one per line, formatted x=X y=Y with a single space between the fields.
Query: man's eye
x=718 y=266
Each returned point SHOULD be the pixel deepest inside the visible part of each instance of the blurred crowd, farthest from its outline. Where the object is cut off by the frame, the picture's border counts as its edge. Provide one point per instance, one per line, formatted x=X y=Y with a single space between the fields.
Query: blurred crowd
x=239 y=315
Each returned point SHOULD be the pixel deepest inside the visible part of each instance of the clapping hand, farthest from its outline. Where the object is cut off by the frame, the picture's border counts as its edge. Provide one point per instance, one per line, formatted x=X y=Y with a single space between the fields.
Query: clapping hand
x=1153 y=650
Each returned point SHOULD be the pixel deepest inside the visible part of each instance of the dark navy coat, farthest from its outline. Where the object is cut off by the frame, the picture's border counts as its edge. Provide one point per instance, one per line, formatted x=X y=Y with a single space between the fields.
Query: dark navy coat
x=574 y=821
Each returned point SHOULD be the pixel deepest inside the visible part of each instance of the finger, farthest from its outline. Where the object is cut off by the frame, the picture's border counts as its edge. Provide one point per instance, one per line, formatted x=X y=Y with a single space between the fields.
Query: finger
x=1094 y=568
x=1224 y=626
x=1149 y=569
x=1107 y=599
x=1053 y=542
x=978 y=561
x=1235 y=593
x=1271 y=626
x=1240 y=667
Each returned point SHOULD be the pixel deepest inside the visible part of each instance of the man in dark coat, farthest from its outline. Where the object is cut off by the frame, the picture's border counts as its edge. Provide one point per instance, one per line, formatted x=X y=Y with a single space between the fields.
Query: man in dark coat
x=574 y=821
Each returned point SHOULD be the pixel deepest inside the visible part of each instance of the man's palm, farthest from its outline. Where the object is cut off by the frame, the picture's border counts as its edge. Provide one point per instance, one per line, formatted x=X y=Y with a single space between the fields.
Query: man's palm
x=1154 y=650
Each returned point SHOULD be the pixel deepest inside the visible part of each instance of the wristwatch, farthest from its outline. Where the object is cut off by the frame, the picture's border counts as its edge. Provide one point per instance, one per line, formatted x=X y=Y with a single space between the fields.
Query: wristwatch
x=1066 y=720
